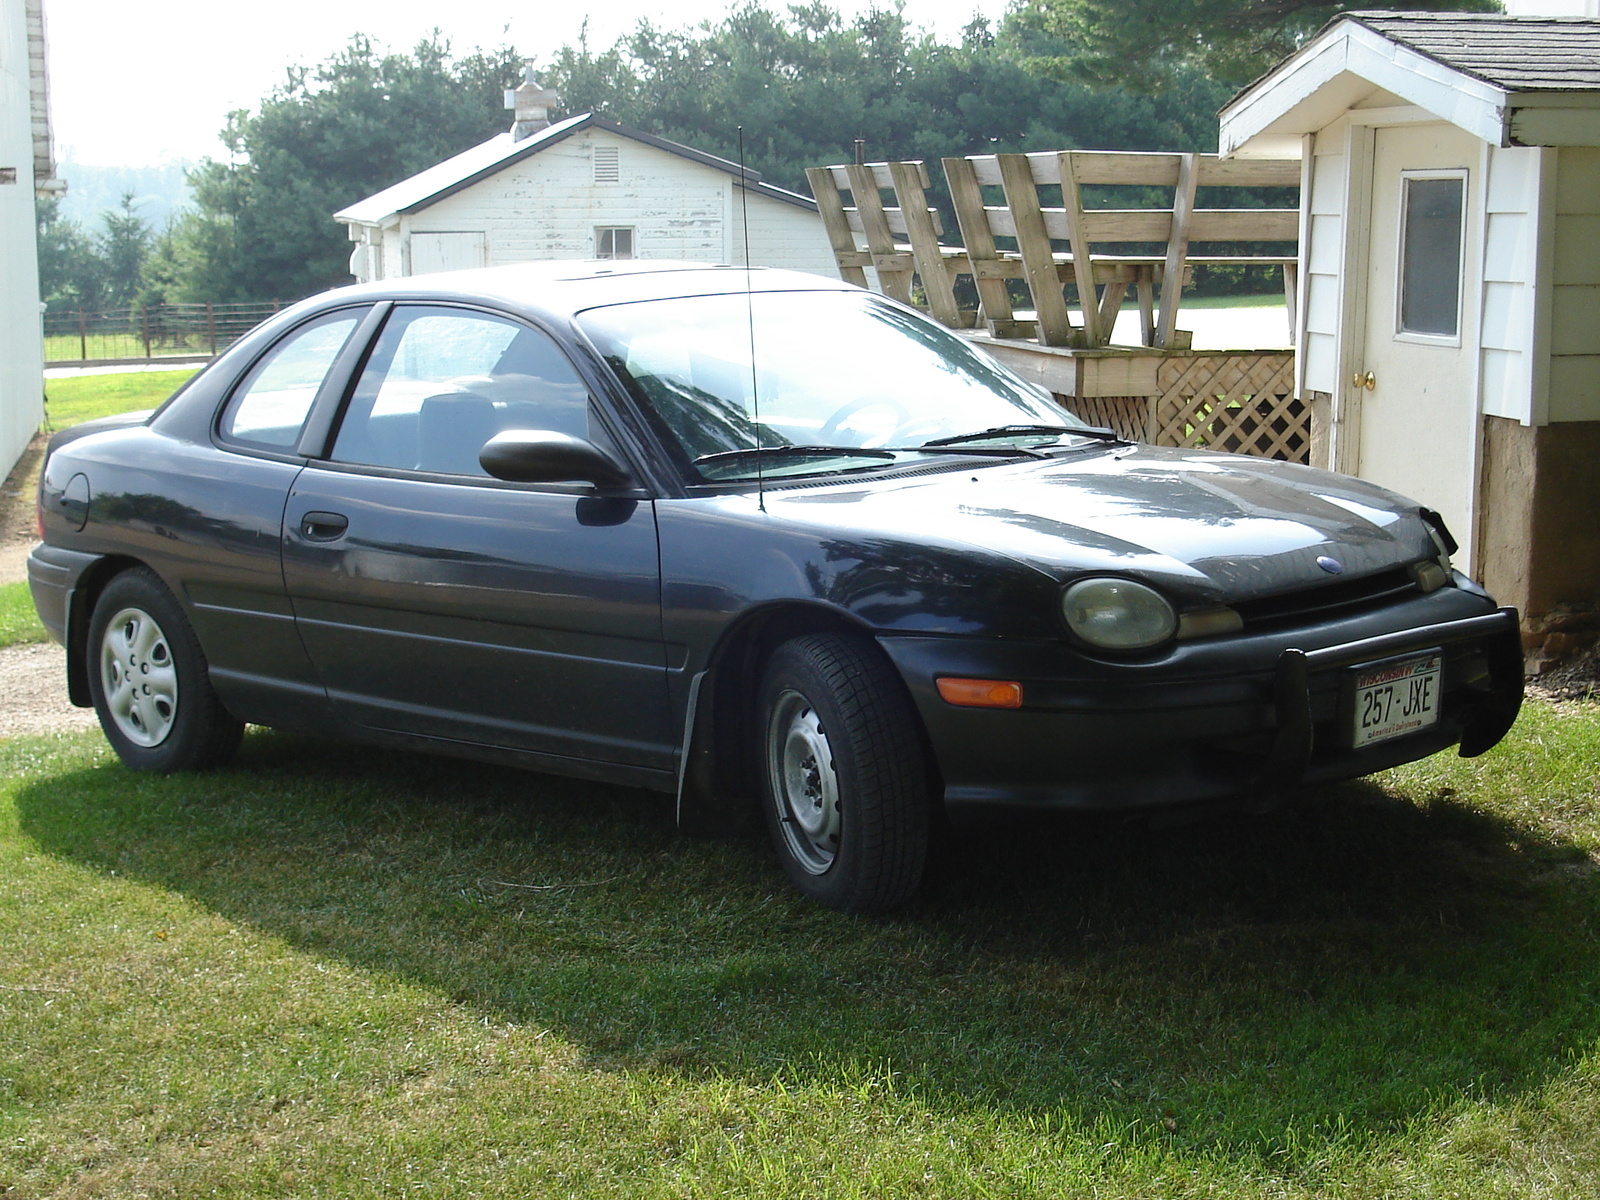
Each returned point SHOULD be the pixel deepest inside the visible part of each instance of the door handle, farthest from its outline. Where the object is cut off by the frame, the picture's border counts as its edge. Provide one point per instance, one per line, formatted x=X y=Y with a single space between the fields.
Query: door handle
x=1368 y=381
x=324 y=526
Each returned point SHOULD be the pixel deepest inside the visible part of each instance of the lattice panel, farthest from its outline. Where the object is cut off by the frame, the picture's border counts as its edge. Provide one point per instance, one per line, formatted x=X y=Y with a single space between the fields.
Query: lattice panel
x=1240 y=403
x=1128 y=415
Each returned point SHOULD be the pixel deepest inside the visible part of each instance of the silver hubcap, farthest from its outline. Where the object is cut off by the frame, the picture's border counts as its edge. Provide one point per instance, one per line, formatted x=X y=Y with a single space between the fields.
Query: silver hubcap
x=138 y=678
x=805 y=786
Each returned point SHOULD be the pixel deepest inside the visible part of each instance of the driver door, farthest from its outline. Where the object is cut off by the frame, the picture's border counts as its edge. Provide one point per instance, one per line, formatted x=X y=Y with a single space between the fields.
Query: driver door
x=437 y=601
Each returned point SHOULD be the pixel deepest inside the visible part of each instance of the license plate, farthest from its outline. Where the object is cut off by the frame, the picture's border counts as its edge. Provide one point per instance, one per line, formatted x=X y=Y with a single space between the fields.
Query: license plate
x=1396 y=698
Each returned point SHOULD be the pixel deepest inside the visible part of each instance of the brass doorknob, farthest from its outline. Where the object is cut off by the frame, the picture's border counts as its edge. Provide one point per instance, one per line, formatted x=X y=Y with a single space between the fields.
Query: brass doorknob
x=1368 y=380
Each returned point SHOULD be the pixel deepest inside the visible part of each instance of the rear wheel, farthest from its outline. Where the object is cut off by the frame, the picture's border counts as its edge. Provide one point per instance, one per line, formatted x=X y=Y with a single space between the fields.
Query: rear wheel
x=845 y=774
x=148 y=678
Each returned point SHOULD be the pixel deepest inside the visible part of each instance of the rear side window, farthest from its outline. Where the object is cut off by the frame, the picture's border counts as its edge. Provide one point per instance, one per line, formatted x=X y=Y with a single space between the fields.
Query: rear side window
x=269 y=406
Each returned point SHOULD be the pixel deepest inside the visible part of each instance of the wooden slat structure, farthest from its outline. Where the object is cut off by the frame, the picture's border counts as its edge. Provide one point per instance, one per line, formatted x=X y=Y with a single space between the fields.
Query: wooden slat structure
x=1103 y=252
x=878 y=217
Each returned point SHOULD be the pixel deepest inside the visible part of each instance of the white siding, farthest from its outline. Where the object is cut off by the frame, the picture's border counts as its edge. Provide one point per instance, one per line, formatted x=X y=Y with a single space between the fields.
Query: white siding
x=1510 y=251
x=447 y=251
x=392 y=255
x=1323 y=256
x=1575 y=299
x=21 y=350
x=549 y=206
x=781 y=235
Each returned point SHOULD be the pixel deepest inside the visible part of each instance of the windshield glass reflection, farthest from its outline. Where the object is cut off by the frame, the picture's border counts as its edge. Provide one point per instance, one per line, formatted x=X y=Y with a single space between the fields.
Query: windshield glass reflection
x=832 y=369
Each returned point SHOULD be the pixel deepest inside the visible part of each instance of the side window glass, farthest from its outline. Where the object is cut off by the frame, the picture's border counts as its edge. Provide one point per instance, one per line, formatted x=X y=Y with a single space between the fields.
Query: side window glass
x=442 y=382
x=270 y=405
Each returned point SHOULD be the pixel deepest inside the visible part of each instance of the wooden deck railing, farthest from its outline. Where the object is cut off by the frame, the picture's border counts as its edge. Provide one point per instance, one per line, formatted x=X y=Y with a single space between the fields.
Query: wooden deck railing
x=1102 y=252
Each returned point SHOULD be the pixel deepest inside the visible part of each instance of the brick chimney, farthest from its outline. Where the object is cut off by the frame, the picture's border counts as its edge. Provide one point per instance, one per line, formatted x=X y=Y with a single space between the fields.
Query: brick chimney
x=531 y=101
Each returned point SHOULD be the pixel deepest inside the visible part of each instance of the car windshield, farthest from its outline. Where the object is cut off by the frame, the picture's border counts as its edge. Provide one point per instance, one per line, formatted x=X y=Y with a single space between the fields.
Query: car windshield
x=842 y=382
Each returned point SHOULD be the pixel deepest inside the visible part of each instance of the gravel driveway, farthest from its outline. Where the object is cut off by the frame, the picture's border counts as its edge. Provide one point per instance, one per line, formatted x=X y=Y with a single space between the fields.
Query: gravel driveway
x=33 y=678
x=33 y=692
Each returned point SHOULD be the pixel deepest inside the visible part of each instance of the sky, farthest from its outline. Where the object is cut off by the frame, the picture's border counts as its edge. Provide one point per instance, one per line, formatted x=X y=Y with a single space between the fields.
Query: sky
x=137 y=84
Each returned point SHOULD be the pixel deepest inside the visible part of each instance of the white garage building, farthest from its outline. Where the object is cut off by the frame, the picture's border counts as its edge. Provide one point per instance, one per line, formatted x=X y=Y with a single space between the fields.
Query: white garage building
x=26 y=166
x=581 y=188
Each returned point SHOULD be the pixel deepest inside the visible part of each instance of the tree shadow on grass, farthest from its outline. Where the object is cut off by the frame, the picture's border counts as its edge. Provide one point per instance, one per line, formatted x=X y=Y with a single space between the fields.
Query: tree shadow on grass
x=1338 y=968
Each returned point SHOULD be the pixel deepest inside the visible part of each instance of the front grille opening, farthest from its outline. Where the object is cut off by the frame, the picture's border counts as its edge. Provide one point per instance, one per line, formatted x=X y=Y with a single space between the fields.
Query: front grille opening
x=1370 y=591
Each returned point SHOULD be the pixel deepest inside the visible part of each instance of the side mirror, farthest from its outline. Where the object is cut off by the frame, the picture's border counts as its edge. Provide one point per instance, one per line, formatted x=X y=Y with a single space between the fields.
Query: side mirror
x=545 y=456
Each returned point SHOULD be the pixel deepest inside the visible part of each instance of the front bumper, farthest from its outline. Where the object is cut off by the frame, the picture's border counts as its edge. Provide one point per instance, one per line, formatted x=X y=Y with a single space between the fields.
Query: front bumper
x=1241 y=717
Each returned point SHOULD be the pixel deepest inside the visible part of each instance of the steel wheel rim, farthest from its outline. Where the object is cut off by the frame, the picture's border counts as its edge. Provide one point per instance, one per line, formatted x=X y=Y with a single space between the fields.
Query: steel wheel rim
x=138 y=678
x=804 y=782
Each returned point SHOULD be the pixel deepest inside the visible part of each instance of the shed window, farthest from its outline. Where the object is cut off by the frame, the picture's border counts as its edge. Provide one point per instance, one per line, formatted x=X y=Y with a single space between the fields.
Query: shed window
x=1430 y=254
x=607 y=168
x=613 y=241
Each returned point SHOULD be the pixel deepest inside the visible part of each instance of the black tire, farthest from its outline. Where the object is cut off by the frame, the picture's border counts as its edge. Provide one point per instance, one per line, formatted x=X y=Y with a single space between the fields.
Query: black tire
x=844 y=773
x=150 y=683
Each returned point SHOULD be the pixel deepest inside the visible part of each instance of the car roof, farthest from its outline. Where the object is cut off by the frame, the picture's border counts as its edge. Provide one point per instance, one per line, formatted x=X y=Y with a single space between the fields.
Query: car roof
x=569 y=286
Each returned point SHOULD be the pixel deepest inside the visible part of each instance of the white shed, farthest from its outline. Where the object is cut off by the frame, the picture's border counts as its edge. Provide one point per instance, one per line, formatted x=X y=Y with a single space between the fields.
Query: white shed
x=1449 y=315
x=582 y=188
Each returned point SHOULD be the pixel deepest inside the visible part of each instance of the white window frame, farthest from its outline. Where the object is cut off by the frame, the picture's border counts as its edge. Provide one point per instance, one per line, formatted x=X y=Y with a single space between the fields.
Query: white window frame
x=600 y=231
x=1410 y=335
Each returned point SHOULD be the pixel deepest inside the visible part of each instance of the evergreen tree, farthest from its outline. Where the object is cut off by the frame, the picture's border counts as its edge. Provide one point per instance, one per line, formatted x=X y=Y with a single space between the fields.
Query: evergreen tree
x=1233 y=41
x=69 y=277
x=263 y=227
x=92 y=271
x=806 y=86
x=123 y=246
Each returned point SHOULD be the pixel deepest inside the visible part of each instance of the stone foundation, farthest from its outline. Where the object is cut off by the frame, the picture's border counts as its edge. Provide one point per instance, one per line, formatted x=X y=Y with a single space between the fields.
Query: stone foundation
x=1321 y=404
x=1539 y=531
x=1554 y=637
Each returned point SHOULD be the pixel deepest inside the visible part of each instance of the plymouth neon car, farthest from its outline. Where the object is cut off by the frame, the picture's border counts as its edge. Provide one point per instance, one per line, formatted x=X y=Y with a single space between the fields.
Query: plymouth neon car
x=761 y=541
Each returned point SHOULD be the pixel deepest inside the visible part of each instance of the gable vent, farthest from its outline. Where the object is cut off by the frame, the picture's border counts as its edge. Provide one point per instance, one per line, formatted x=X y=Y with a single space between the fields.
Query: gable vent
x=606 y=167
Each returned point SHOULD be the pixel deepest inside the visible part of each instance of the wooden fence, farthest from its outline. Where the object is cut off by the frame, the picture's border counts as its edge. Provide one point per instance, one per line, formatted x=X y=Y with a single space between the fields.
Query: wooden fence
x=877 y=215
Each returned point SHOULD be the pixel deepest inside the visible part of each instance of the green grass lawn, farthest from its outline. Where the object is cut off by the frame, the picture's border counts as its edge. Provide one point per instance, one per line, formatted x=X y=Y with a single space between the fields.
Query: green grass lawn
x=79 y=398
x=1272 y=300
x=18 y=621
x=332 y=972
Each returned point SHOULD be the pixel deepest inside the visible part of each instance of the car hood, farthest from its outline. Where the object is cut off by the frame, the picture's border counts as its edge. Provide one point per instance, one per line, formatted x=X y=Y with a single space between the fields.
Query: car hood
x=1213 y=526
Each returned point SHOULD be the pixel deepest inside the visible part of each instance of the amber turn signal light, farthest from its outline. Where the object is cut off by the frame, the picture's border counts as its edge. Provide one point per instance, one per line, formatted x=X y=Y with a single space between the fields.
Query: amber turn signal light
x=980 y=693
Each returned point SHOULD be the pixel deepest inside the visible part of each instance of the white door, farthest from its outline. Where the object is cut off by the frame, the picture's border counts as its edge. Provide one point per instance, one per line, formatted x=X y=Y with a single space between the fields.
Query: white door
x=1417 y=396
x=432 y=252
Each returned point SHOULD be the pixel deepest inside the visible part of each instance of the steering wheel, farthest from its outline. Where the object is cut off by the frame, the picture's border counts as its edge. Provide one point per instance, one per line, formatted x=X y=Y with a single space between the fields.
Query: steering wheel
x=898 y=413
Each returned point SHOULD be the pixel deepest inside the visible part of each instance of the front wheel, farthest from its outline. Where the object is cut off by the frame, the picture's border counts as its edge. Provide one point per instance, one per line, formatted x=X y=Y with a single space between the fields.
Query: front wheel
x=148 y=679
x=845 y=774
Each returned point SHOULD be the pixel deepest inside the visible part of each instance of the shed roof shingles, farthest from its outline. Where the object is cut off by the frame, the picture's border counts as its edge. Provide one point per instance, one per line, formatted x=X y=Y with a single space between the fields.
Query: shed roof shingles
x=1519 y=54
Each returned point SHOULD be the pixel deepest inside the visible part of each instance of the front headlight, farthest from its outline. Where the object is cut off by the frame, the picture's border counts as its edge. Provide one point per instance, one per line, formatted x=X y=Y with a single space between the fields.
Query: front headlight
x=1118 y=614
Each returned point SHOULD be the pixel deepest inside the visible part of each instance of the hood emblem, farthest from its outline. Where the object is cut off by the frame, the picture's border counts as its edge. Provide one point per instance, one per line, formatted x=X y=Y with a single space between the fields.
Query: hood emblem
x=1331 y=565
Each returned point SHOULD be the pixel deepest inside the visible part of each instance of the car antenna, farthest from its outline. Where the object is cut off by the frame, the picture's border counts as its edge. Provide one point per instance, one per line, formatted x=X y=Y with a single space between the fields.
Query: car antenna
x=750 y=320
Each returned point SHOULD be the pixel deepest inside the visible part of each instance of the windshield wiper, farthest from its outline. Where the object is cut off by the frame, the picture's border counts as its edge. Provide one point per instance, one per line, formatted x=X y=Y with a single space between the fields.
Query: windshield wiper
x=986 y=451
x=722 y=456
x=1088 y=431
